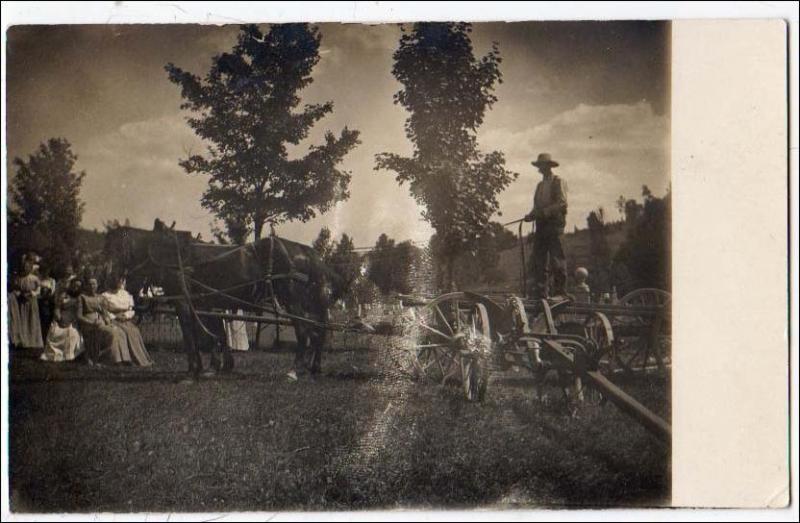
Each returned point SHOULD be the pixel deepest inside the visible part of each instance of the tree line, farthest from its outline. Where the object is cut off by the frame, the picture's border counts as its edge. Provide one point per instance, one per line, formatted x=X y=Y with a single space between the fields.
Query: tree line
x=248 y=110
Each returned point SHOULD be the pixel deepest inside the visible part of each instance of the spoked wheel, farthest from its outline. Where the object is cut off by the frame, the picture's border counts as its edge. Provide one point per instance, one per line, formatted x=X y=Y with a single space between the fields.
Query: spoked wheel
x=646 y=344
x=597 y=329
x=600 y=337
x=452 y=341
x=475 y=354
x=645 y=297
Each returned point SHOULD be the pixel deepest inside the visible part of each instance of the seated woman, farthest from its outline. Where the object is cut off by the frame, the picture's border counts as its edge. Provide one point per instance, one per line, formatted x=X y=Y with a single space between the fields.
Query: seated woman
x=64 y=342
x=119 y=305
x=104 y=341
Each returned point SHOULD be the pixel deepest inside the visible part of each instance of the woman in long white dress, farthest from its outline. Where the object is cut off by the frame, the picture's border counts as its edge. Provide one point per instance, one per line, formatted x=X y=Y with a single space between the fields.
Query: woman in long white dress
x=236 y=333
x=119 y=304
x=64 y=342
x=29 y=328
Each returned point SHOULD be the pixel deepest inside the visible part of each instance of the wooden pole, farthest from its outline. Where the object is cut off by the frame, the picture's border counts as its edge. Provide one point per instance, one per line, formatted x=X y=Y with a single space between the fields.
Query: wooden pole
x=627 y=404
x=245 y=317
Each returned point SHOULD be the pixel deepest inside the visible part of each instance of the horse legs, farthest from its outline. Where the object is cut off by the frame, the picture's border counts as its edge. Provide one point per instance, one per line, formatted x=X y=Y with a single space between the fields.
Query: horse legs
x=308 y=352
x=227 y=358
x=219 y=343
x=189 y=341
x=227 y=355
x=317 y=340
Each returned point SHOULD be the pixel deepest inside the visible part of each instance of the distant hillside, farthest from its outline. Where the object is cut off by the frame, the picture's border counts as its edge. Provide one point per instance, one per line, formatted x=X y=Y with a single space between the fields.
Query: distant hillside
x=576 y=247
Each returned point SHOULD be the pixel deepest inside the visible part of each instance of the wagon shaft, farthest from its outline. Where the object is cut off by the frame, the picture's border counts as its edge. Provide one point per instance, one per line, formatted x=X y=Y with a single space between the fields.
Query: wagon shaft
x=650 y=421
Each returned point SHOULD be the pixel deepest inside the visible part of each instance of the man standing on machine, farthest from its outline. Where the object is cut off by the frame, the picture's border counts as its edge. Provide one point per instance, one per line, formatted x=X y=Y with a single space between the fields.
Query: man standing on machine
x=549 y=215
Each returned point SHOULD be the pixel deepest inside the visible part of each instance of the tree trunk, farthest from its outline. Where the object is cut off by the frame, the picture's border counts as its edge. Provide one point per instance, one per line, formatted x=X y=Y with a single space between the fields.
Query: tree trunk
x=449 y=280
x=258 y=227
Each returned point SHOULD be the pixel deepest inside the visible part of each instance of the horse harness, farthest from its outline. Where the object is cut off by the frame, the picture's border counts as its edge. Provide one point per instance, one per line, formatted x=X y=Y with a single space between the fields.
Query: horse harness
x=184 y=271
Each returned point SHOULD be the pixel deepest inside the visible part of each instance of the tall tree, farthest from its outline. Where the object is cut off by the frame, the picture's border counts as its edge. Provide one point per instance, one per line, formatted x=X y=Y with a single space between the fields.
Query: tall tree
x=345 y=260
x=447 y=92
x=390 y=265
x=381 y=264
x=323 y=244
x=645 y=255
x=232 y=232
x=479 y=265
x=46 y=208
x=245 y=109
x=600 y=251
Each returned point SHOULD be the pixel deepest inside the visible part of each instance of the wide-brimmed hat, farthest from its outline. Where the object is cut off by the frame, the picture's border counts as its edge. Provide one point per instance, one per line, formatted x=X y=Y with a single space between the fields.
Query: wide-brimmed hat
x=544 y=159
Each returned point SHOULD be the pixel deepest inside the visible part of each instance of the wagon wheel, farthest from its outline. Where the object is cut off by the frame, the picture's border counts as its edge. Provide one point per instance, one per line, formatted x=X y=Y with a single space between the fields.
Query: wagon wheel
x=645 y=297
x=598 y=331
x=474 y=360
x=452 y=339
x=520 y=327
x=651 y=348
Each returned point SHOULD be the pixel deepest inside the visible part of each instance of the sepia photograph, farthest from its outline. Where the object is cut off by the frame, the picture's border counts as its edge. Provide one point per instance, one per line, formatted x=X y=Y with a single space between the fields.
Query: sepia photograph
x=338 y=266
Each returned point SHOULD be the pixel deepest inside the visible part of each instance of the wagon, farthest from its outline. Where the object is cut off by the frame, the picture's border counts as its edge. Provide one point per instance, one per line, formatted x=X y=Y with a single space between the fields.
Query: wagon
x=466 y=337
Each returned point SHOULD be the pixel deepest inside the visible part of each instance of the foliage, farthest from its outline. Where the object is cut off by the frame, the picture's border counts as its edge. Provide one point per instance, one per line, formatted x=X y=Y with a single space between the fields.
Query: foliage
x=645 y=255
x=390 y=265
x=344 y=258
x=324 y=244
x=245 y=109
x=600 y=252
x=46 y=208
x=234 y=232
x=447 y=92
x=478 y=265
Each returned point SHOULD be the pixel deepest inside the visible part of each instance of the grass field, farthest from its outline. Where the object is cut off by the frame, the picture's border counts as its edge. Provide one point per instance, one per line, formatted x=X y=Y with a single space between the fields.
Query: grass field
x=357 y=437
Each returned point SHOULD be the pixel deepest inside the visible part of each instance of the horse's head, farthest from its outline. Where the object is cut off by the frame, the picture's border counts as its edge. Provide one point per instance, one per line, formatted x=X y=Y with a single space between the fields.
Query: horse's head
x=127 y=252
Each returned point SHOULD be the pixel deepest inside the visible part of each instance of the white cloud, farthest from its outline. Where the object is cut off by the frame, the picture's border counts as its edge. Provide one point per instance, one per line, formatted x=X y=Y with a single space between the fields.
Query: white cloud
x=133 y=173
x=604 y=151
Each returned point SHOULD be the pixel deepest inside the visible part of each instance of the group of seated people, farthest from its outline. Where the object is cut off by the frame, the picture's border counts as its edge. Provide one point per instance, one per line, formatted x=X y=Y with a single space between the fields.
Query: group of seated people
x=95 y=326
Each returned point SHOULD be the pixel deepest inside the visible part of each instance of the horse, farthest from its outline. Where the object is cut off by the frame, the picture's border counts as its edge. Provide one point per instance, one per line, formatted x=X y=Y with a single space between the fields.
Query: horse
x=272 y=274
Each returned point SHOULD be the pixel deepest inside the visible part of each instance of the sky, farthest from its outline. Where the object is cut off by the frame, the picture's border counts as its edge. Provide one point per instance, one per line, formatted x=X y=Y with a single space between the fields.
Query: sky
x=595 y=95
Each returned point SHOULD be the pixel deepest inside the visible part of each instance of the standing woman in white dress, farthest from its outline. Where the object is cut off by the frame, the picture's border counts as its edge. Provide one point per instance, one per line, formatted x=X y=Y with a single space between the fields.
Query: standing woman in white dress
x=64 y=342
x=119 y=304
x=30 y=328
x=236 y=333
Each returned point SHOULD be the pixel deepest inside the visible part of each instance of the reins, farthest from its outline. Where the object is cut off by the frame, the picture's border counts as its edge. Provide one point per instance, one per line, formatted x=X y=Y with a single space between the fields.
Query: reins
x=185 y=289
x=269 y=278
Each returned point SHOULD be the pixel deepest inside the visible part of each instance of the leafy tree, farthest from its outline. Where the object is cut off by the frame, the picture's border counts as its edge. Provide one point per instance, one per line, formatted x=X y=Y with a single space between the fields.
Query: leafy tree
x=447 y=92
x=405 y=258
x=234 y=232
x=645 y=255
x=345 y=260
x=381 y=264
x=390 y=265
x=323 y=244
x=599 y=250
x=46 y=208
x=479 y=265
x=620 y=204
x=245 y=109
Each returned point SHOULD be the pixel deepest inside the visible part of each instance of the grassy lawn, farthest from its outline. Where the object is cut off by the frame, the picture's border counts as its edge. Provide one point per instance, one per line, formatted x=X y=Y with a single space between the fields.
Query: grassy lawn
x=359 y=436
